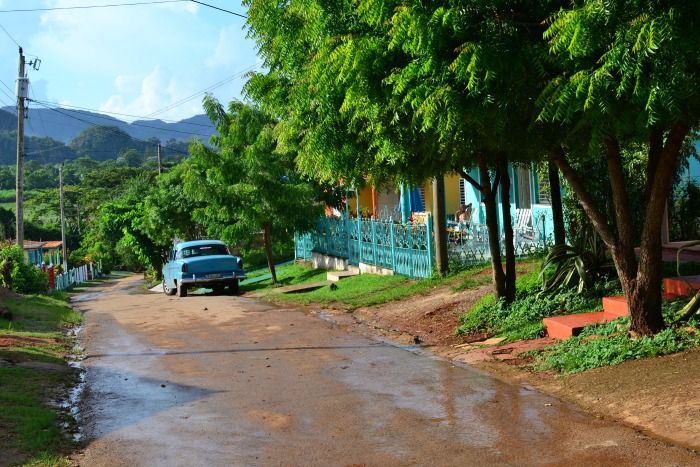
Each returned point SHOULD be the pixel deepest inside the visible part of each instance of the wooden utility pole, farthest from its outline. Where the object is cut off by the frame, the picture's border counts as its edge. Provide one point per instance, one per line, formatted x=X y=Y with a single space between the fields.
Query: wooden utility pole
x=22 y=85
x=63 y=218
x=160 y=163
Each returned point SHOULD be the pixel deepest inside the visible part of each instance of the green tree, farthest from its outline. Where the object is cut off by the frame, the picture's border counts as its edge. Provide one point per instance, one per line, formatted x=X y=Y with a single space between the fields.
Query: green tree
x=247 y=185
x=628 y=75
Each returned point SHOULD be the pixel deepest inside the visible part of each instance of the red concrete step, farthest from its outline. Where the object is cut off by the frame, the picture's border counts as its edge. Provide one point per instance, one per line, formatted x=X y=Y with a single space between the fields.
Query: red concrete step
x=682 y=286
x=617 y=306
x=563 y=327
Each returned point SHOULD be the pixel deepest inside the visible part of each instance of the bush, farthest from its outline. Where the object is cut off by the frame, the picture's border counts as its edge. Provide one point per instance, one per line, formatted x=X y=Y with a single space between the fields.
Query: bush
x=522 y=319
x=609 y=344
x=25 y=278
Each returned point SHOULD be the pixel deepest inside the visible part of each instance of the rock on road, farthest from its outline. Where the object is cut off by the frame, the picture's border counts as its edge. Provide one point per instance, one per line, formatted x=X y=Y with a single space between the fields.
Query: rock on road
x=233 y=381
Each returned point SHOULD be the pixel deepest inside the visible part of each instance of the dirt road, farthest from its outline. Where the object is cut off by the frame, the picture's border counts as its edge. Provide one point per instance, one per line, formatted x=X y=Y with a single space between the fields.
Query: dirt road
x=207 y=380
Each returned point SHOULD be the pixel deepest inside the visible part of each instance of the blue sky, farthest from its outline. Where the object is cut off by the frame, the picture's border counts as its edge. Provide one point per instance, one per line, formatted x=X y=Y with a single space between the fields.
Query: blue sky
x=139 y=61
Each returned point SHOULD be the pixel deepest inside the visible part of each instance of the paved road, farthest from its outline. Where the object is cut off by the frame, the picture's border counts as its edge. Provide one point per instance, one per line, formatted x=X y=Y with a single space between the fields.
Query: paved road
x=233 y=381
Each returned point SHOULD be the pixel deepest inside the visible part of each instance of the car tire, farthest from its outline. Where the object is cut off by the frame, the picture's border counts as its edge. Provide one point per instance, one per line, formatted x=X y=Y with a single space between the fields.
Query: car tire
x=233 y=288
x=168 y=290
x=181 y=290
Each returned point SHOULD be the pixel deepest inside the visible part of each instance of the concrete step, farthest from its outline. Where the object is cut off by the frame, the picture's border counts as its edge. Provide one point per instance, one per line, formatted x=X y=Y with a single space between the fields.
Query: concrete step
x=617 y=306
x=682 y=286
x=335 y=276
x=563 y=327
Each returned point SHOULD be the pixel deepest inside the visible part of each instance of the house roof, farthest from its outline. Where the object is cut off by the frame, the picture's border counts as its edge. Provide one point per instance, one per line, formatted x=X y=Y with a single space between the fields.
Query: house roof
x=34 y=245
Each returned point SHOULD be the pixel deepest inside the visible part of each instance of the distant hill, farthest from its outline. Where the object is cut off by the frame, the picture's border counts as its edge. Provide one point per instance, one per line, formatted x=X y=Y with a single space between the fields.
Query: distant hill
x=65 y=124
x=52 y=136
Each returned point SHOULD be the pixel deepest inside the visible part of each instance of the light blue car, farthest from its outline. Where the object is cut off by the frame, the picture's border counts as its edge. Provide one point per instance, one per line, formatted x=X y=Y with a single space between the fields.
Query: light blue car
x=201 y=264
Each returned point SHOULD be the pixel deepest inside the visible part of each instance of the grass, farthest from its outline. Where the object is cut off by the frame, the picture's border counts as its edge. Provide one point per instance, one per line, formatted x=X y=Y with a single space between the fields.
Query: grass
x=368 y=290
x=32 y=424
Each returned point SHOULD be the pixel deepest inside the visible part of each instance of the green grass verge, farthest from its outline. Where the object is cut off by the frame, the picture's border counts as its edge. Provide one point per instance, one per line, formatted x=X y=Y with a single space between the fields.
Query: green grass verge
x=32 y=424
x=367 y=289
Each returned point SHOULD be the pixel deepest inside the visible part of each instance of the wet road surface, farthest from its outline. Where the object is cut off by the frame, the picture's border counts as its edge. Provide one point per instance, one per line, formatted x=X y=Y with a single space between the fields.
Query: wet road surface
x=233 y=381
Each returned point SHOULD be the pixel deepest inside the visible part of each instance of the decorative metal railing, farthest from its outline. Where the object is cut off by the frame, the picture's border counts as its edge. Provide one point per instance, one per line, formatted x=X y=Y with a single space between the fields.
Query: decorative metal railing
x=404 y=248
x=408 y=249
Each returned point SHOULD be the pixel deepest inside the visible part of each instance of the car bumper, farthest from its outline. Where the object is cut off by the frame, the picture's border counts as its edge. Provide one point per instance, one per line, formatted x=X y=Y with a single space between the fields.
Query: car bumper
x=207 y=279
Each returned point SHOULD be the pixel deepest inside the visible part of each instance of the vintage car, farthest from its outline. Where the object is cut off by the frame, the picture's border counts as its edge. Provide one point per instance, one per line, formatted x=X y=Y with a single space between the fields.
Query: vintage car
x=201 y=264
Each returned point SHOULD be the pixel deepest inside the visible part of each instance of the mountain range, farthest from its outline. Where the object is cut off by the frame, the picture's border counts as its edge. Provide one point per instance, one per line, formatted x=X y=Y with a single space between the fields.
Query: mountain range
x=64 y=124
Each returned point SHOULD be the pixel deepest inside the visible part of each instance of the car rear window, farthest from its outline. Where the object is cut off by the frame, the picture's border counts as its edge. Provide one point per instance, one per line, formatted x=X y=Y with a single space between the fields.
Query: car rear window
x=203 y=250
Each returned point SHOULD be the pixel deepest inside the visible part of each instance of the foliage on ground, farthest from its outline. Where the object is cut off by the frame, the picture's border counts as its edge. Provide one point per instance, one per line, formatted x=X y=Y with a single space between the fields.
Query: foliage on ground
x=611 y=344
x=522 y=319
x=32 y=423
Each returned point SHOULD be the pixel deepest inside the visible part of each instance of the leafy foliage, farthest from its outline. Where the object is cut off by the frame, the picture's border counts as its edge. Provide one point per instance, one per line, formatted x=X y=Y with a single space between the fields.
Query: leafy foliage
x=26 y=279
x=522 y=319
x=609 y=344
x=588 y=262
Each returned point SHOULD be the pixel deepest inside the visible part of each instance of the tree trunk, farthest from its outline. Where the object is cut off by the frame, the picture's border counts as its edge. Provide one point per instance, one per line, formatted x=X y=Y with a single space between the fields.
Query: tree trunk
x=641 y=283
x=507 y=228
x=440 y=225
x=557 y=206
x=489 y=192
x=268 y=252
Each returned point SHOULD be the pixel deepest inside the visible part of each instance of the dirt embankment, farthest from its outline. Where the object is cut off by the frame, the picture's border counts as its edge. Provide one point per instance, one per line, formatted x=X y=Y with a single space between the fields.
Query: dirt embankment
x=659 y=395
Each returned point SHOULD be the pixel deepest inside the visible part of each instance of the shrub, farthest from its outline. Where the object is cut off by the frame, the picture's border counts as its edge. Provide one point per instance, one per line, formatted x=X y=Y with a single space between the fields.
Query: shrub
x=26 y=278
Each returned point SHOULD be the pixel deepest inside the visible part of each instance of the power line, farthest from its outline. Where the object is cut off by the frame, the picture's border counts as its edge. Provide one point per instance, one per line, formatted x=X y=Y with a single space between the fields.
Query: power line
x=213 y=86
x=8 y=35
x=217 y=8
x=87 y=7
x=97 y=112
x=109 y=119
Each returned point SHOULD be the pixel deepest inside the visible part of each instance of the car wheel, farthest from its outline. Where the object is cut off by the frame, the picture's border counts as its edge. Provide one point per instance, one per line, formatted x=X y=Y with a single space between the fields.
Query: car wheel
x=233 y=288
x=181 y=290
x=168 y=290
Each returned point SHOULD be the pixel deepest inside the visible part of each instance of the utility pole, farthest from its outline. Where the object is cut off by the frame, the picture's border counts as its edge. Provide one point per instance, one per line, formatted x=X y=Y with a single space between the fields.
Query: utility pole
x=160 y=163
x=63 y=218
x=22 y=86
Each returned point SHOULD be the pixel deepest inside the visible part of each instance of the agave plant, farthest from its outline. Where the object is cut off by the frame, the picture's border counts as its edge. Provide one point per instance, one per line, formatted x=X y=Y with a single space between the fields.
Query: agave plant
x=586 y=263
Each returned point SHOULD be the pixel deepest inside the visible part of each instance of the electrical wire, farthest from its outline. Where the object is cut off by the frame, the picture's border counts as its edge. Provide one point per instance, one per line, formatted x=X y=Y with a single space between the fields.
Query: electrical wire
x=88 y=7
x=8 y=35
x=120 y=132
x=200 y=93
x=111 y=120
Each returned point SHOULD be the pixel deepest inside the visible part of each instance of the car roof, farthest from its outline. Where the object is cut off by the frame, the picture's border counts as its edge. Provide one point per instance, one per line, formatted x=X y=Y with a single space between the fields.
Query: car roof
x=182 y=245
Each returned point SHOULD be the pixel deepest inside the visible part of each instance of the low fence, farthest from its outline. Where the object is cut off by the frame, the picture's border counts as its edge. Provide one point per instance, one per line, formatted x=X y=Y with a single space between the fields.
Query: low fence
x=77 y=276
x=404 y=248
x=408 y=249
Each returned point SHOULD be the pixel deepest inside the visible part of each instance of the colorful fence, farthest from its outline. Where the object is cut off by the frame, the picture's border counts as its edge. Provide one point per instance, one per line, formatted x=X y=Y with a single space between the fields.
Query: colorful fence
x=408 y=249
x=404 y=248
x=77 y=276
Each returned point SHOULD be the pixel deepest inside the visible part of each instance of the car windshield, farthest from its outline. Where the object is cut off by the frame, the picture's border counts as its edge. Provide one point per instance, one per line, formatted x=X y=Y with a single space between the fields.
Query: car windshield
x=202 y=250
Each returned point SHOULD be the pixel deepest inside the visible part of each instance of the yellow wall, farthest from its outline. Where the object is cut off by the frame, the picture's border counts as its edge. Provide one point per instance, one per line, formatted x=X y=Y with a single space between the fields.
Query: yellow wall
x=451 y=194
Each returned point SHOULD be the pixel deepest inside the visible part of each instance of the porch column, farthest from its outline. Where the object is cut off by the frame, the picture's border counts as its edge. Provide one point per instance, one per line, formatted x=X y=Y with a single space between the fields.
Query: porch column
x=405 y=203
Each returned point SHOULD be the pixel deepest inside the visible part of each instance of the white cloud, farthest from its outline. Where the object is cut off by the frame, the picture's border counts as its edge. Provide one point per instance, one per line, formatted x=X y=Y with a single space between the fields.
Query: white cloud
x=133 y=60
x=228 y=50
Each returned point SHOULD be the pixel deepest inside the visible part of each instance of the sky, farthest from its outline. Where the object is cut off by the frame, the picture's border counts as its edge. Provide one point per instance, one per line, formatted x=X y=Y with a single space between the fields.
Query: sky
x=153 y=59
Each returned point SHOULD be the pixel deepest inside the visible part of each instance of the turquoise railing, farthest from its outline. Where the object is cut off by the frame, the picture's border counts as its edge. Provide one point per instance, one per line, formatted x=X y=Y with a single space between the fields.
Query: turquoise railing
x=408 y=249
x=404 y=248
